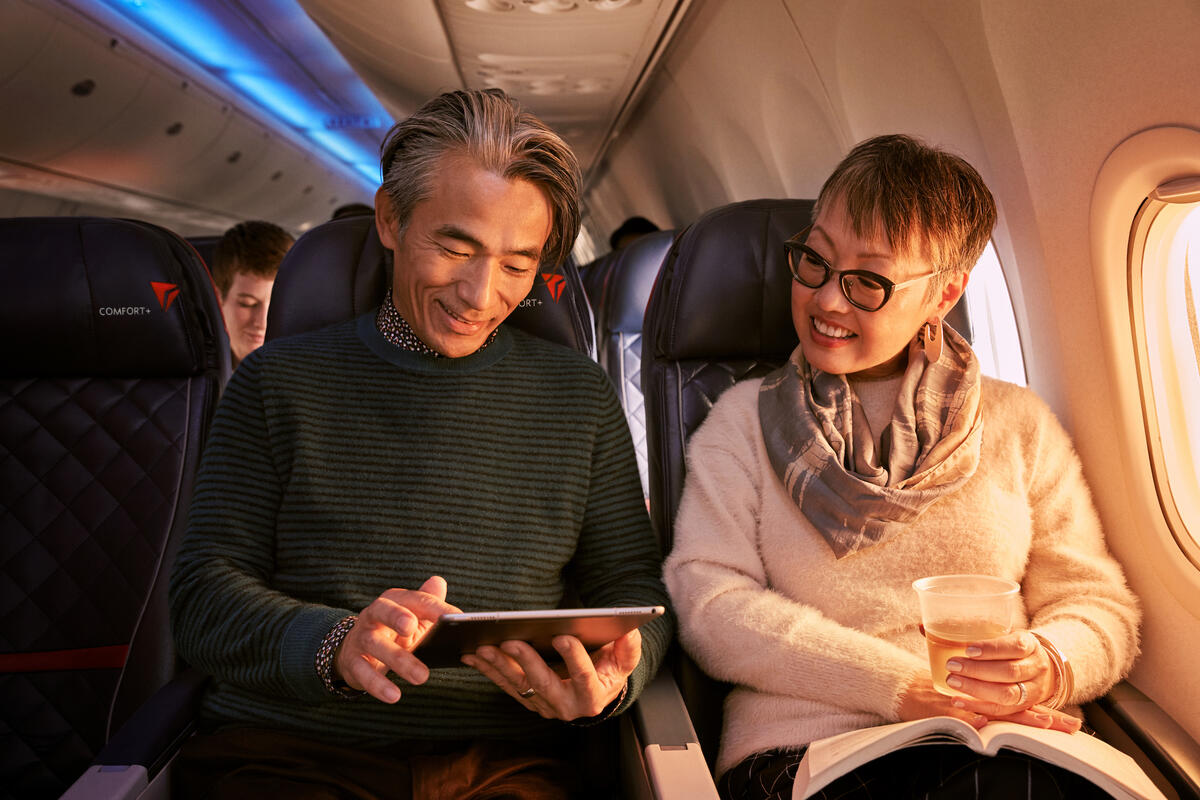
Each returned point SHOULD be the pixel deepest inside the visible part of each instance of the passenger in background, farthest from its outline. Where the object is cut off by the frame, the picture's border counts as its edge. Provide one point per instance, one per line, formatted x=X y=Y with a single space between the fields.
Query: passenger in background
x=363 y=479
x=878 y=455
x=352 y=210
x=629 y=231
x=244 y=266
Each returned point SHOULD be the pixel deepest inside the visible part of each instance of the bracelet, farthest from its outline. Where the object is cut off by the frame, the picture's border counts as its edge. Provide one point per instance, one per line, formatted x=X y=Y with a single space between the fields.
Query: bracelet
x=325 y=653
x=1062 y=671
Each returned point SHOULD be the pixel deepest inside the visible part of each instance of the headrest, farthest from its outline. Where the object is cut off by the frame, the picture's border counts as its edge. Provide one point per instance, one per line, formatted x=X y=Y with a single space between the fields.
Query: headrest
x=630 y=280
x=724 y=291
x=340 y=270
x=206 y=246
x=593 y=274
x=90 y=297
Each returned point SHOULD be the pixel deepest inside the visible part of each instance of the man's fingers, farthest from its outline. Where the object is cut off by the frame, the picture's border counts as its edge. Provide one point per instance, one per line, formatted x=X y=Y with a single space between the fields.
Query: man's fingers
x=627 y=651
x=436 y=586
x=368 y=674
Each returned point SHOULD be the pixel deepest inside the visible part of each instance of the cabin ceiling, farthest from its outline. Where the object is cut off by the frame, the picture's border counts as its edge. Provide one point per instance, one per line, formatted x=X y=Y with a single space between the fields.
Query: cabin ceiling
x=577 y=64
x=221 y=110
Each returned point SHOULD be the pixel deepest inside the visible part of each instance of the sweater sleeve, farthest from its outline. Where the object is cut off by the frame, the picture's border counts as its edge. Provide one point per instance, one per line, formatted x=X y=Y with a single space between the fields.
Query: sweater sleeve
x=226 y=619
x=731 y=621
x=617 y=561
x=1075 y=591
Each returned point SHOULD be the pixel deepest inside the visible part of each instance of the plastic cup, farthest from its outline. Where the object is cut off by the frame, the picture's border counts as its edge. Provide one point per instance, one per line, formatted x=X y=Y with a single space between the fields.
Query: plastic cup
x=957 y=610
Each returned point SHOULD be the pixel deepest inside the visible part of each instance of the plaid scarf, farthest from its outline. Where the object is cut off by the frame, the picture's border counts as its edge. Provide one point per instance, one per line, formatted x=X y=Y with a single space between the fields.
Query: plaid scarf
x=821 y=447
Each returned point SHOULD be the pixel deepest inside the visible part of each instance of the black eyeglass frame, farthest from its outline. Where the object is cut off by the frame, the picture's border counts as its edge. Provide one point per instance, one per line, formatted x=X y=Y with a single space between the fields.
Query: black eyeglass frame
x=796 y=247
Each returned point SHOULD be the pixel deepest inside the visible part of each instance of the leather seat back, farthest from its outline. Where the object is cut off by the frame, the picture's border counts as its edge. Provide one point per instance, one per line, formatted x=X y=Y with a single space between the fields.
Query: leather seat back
x=620 y=315
x=340 y=269
x=112 y=356
x=720 y=312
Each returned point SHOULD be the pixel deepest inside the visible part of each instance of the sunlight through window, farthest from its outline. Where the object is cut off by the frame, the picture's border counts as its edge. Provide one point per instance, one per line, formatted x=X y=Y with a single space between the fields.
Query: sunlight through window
x=1169 y=273
x=993 y=323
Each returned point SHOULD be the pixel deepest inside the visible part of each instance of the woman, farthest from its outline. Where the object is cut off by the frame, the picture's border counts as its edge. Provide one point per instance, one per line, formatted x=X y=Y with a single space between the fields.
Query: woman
x=875 y=456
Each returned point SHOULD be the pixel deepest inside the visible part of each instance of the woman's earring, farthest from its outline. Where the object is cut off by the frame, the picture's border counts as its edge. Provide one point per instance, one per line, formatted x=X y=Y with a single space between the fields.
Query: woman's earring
x=929 y=339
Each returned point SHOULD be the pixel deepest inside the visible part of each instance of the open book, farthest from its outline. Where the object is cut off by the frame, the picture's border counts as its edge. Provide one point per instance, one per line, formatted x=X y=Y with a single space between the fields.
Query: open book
x=1104 y=765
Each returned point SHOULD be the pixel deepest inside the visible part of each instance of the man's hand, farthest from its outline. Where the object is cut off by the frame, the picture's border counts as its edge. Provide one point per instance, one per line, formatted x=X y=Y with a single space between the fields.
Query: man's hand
x=591 y=681
x=382 y=639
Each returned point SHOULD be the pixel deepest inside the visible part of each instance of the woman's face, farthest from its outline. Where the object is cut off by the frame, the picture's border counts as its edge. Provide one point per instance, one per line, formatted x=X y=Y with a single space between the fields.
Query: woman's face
x=842 y=339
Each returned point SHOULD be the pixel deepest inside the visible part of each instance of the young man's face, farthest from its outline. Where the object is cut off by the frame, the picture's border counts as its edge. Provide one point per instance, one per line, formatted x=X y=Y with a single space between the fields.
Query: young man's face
x=468 y=256
x=245 y=309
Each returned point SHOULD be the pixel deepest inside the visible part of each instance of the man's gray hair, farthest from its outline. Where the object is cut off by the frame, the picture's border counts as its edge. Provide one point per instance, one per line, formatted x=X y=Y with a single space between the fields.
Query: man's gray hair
x=491 y=128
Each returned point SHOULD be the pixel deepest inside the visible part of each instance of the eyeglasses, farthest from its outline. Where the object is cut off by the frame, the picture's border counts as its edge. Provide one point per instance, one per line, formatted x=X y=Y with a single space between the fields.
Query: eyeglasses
x=864 y=289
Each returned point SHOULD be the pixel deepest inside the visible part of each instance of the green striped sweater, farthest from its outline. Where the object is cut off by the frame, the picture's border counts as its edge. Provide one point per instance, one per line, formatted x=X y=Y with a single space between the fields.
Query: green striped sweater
x=340 y=466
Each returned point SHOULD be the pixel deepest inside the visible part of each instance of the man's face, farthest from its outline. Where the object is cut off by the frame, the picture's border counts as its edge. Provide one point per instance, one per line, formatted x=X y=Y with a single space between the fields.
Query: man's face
x=245 y=309
x=469 y=255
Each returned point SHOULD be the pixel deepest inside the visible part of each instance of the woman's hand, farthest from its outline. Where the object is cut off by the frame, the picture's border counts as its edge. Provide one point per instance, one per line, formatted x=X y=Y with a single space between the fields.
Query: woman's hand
x=590 y=684
x=1006 y=678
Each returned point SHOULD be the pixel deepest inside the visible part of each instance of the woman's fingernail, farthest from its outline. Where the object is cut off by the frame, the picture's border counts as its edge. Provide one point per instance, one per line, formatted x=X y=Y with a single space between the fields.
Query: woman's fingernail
x=954 y=682
x=468 y=661
x=958 y=703
x=954 y=666
x=974 y=652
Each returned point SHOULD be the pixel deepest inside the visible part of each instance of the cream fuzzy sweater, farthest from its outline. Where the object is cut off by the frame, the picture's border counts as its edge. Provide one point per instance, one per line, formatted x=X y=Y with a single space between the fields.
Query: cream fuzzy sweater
x=818 y=646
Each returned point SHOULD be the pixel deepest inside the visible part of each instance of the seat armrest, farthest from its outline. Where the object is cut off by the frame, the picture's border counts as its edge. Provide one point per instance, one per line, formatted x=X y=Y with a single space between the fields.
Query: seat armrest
x=1163 y=741
x=145 y=743
x=664 y=753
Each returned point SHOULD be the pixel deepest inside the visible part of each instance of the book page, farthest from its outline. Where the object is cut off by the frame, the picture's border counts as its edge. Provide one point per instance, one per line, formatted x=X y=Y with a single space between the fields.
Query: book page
x=1082 y=753
x=829 y=759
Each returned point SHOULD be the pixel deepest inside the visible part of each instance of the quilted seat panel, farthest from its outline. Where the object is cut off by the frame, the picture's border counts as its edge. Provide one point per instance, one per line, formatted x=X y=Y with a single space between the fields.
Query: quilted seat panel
x=86 y=492
x=113 y=353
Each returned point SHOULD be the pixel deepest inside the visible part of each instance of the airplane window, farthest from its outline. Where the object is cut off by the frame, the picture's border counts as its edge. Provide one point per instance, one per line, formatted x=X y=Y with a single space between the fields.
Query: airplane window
x=1164 y=282
x=993 y=322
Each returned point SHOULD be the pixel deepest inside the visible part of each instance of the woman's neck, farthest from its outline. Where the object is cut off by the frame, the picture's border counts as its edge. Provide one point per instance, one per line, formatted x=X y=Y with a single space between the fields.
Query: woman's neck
x=888 y=369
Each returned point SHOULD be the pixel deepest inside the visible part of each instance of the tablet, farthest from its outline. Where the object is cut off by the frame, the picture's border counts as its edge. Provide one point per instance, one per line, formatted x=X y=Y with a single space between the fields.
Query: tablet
x=454 y=635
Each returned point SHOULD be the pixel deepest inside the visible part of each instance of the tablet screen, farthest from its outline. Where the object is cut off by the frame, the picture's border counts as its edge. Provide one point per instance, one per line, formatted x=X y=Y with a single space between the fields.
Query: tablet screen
x=457 y=634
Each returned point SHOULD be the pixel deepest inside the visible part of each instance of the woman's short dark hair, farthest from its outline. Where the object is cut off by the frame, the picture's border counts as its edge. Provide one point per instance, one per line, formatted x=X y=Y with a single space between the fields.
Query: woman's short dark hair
x=491 y=128
x=929 y=203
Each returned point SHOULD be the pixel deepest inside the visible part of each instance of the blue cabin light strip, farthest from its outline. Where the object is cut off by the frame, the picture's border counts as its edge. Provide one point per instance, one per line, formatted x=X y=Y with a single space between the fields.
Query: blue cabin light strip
x=243 y=54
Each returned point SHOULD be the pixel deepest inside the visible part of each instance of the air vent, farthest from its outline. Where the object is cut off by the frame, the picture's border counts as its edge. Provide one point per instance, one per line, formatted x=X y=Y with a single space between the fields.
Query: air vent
x=546 y=6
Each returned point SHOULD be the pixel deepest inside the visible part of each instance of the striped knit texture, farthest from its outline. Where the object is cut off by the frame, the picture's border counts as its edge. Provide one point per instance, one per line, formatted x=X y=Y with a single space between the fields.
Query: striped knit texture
x=340 y=466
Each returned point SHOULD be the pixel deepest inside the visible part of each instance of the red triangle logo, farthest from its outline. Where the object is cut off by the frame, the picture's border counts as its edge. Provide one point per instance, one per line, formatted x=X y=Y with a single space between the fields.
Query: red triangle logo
x=165 y=292
x=555 y=283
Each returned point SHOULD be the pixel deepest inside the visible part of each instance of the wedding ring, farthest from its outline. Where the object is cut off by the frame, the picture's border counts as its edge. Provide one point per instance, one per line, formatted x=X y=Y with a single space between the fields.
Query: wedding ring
x=1020 y=685
x=530 y=692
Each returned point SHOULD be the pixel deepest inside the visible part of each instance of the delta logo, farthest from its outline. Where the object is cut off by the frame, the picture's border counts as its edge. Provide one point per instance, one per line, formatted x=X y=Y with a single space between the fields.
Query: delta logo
x=165 y=292
x=555 y=283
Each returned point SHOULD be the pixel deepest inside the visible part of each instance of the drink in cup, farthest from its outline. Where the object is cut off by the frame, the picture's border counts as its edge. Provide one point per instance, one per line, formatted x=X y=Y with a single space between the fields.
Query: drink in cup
x=957 y=610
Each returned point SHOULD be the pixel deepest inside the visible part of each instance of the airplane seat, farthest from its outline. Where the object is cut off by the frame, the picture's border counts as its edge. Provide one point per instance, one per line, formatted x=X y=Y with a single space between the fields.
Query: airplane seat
x=720 y=312
x=112 y=356
x=594 y=274
x=334 y=272
x=340 y=269
x=619 y=329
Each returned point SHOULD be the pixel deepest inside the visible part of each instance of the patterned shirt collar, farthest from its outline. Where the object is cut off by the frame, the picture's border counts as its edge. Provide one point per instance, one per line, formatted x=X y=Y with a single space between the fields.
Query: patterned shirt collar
x=397 y=330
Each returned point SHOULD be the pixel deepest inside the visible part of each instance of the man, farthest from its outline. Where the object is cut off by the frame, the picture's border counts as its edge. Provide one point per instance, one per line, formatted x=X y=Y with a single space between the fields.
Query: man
x=244 y=266
x=630 y=231
x=364 y=479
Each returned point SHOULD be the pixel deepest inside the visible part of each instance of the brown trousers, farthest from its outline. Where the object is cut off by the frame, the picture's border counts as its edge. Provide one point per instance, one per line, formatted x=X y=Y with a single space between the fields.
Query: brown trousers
x=258 y=763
